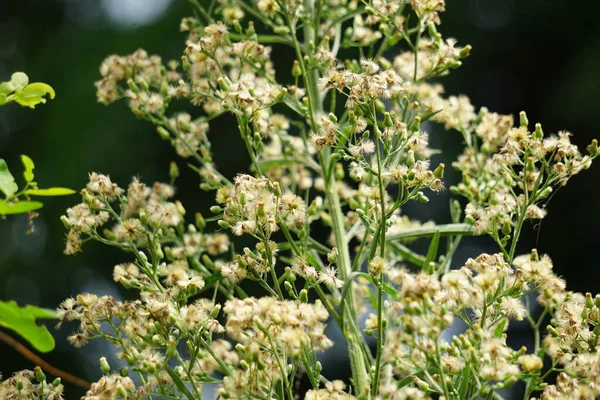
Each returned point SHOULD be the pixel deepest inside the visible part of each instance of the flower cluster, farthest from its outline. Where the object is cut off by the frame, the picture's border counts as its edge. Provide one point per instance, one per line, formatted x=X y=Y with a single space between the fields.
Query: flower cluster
x=317 y=221
x=32 y=385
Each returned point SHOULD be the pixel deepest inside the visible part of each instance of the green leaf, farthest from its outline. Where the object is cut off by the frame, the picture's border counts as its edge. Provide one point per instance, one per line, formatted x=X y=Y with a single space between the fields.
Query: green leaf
x=293 y=103
x=346 y=289
x=34 y=94
x=500 y=328
x=7 y=181
x=18 y=81
x=179 y=382
x=53 y=191
x=432 y=252
x=22 y=320
x=20 y=207
x=29 y=166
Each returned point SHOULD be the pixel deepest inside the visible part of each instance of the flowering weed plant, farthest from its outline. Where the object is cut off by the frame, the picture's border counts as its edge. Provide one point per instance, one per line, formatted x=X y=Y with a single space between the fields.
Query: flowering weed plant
x=341 y=146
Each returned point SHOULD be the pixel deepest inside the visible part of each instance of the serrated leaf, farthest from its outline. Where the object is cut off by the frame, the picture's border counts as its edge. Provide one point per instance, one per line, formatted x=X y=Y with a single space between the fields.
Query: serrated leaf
x=7 y=180
x=29 y=166
x=22 y=320
x=53 y=191
x=20 y=207
x=33 y=94
x=18 y=81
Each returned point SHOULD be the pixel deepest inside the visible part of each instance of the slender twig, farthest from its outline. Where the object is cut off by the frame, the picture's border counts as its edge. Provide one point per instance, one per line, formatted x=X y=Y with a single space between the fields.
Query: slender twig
x=28 y=354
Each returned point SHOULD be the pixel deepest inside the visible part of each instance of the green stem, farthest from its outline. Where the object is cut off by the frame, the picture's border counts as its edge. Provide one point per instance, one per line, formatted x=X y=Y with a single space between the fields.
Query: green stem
x=444 y=230
x=350 y=328
x=380 y=281
x=357 y=361
x=265 y=39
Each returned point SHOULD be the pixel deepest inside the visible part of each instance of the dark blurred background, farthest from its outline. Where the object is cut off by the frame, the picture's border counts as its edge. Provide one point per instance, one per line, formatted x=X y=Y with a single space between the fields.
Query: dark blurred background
x=534 y=55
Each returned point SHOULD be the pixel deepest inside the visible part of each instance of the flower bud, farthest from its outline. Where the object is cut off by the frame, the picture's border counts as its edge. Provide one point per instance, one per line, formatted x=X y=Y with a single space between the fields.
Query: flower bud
x=281 y=30
x=303 y=296
x=237 y=26
x=215 y=311
x=65 y=221
x=104 y=367
x=163 y=133
x=410 y=158
x=200 y=222
x=454 y=64
x=171 y=349
x=250 y=30
x=122 y=392
x=421 y=384
x=224 y=224
x=465 y=51
x=439 y=171
x=506 y=227
x=339 y=171
x=538 y=134
x=593 y=148
x=534 y=255
x=134 y=88
x=173 y=171
x=422 y=198
x=144 y=84
x=332 y=255
x=296 y=70
x=545 y=193
x=530 y=165
x=39 y=375
x=387 y=120
x=523 y=119
x=553 y=332
x=384 y=63
x=185 y=62
x=240 y=348
x=589 y=301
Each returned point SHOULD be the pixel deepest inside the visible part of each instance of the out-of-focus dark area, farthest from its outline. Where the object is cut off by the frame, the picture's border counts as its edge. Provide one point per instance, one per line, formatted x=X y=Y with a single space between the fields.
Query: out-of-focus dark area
x=533 y=55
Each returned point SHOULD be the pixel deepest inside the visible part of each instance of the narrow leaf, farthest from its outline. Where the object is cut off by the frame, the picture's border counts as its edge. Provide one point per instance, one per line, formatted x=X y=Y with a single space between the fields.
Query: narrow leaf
x=179 y=382
x=293 y=103
x=29 y=166
x=53 y=191
x=500 y=328
x=346 y=288
x=34 y=94
x=433 y=249
x=7 y=181
x=20 y=207
x=22 y=320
